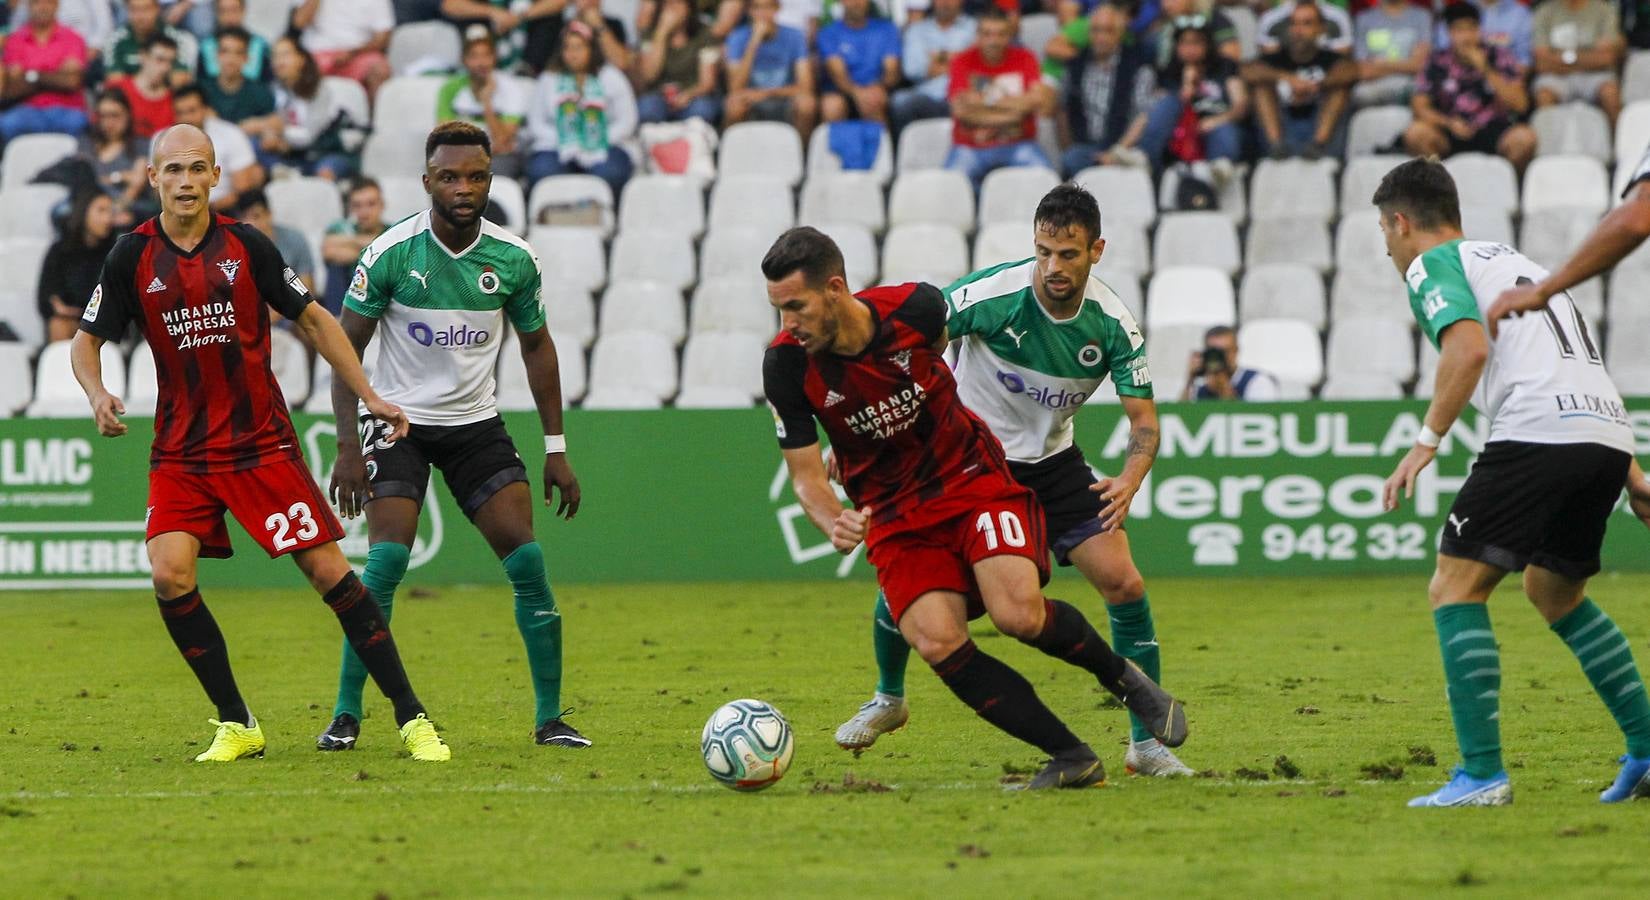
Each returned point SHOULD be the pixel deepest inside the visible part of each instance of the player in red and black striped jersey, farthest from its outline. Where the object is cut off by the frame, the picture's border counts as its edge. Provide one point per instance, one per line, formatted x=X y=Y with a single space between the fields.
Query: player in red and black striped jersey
x=195 y=284
x=949 y=531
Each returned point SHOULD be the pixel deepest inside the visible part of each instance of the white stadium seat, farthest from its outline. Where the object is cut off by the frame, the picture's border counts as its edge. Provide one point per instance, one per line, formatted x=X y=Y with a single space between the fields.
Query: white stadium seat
x=1126 y=285
x=924 y=144
x=406 y=107
x=403 y=196
x=1566 y=181
x=1247 y=25
x=859 y=253
x=142 y=382
x=516 y=395
x=1572 y=128
x=320 y=390
x=936 y=254
x=1353 y=294
x=1360 y=248
x=1197 y=239
x=1371 y=346
x=26 y=155
x=1374 y=128
x=571 y=256
x=307 y=204
x=761 y=148
x=1232 y=200
x=1484 y=180
x=25 y=210
x=759 y=201
x=1282 y=291
x=1292 y=189
x=1361 y=387
x=506 y=195
x=1480 y=223
x=1360 y=178
x=19 y=290
x=1123 y=192
x=821 y=161
x=1168 y=349
x=644 y=306
x=56 y=393
x=1189 y=295
x=730 y=304
x=932 y=196
x=389 y=153
x=635 y=370
x=999 y=242
x=735 y=251
x=15 y=389
x=573 y=194
x=1625 y=340
x=352 y=97
x=1631 y=143
x=288 y=358
x=674 y=202
x=1036 y=30
x=1635 y=77
x=1304 y=241
x=721 y=370
x=649 y=254
x=570 y=315
x=854 y=197
x=1286 y=349
x=418 y=47
x=1549 y=236
x=1011 y=194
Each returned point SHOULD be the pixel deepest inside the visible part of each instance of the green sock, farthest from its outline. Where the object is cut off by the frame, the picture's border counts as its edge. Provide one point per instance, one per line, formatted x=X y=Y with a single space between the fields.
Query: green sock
x=1134 y=637
x=1607 y=659
x=1472 y=674
x=540 y=625
x=892 y=650
x=386 y=565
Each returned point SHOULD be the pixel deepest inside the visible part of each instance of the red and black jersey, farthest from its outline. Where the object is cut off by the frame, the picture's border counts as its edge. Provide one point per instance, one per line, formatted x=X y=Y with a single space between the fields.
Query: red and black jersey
x=900 y=433
x=202 y=312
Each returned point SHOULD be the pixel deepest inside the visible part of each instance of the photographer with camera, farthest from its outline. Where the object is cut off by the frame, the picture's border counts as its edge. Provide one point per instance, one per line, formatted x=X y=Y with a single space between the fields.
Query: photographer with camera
x=1213 y=373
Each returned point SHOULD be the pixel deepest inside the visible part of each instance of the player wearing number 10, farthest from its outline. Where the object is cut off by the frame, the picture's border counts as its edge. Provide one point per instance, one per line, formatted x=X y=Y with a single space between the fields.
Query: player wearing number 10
x=196 y=285
x=1539 y=495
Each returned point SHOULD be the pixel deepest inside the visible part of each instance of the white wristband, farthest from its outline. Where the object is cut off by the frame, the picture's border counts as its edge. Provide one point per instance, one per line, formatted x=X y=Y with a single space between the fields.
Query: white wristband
x=555 y=443
x=1428 y=438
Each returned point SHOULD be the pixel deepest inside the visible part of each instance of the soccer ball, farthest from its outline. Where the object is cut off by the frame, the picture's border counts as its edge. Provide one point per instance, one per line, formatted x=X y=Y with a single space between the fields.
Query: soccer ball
x=747 y=745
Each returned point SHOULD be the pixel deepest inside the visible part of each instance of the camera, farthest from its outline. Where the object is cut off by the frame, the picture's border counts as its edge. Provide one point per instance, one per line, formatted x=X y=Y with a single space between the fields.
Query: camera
x=1215 y=361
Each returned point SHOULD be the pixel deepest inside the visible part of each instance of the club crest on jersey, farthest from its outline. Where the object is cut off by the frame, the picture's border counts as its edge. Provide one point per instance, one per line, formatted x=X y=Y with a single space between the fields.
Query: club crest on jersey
x=903 y=360
x=1090 y=355
x=93 y=305
x=488 y=281
x=230 y=268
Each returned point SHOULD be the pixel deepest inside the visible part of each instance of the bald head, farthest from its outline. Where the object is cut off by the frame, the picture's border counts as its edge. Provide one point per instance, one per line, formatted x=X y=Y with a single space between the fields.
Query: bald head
x=180 y=139
x=183 y=170
x=1106 y=26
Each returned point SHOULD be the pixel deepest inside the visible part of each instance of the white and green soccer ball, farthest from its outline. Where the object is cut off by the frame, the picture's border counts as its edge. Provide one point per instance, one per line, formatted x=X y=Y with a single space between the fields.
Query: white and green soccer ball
x=747 y=745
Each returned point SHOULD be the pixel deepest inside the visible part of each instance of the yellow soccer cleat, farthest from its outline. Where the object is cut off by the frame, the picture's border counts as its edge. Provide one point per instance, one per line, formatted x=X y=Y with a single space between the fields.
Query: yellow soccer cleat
x=422 y=741
x=234 y=741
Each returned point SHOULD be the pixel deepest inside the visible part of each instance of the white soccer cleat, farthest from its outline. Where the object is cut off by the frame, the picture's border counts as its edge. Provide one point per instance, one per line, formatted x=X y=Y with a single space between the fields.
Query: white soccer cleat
x=880 y=715
x=1149 y=757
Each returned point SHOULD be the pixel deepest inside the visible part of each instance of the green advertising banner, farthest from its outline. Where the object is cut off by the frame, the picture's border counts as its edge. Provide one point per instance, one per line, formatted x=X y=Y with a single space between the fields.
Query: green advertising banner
x=682 y=495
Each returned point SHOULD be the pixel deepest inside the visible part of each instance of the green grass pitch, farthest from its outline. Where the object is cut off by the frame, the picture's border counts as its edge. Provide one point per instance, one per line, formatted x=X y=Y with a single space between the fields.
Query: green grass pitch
x=1316 y=706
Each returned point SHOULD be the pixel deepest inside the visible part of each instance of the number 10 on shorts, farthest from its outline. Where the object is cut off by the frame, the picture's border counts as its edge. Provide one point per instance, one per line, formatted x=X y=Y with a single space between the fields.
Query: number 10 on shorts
x=1013 y=532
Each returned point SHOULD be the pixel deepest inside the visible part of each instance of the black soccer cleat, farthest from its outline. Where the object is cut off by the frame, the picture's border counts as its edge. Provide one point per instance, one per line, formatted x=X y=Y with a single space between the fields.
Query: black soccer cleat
x=1078 y=767
x=1163 y=715
x=556 y=733
x=340 y=735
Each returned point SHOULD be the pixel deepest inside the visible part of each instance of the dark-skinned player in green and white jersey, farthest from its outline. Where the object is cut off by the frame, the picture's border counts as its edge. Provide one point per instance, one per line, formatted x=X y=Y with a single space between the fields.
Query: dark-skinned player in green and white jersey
x=436 y=289
x=1034 y=339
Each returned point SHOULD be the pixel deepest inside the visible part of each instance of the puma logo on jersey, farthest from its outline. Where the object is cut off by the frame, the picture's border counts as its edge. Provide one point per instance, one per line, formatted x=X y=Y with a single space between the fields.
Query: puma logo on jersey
x=1017 y=337
x=832 y=398
x=1458 y=523
x=421 y=278
x=155 y=286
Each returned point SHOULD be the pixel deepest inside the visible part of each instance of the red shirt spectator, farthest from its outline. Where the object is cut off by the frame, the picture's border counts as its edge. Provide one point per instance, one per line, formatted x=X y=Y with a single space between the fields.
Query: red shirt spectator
x=33 y=51
x=1015 y=75
x=149 y=91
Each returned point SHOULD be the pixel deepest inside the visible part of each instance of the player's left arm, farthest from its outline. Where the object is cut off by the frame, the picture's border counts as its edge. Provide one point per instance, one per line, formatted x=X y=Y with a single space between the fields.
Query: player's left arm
x=1119 y=491
x=1463 y=350
x=538 y=352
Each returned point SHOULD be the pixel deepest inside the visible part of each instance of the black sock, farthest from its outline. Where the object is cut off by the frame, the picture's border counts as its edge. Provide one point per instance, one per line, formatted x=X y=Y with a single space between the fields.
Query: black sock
x=197 y=637
x=369 y=636
x=1068 y=636
x=1004 y=698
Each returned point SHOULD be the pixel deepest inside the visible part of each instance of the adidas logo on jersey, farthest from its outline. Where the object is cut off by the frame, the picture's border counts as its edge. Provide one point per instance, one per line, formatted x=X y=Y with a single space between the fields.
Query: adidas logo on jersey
x=155 y=286
x=832 y=398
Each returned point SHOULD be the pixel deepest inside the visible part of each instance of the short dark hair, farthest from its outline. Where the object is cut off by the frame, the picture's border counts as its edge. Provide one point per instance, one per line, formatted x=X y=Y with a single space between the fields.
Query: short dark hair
x=1219 y=331
x=160 y=40
x=807 y=250
x=362 y=183
x=1069 y=206
x=191 y=90
x=1423 y=190
x=236 y=32
x=249 y=199
x=993 y=13
x=1459 y=10
x=458 y=134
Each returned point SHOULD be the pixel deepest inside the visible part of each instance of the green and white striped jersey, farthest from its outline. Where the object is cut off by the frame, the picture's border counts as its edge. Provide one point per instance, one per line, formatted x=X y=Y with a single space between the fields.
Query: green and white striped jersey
x=1025 y=372
x=441 y=316
x=1544 y=382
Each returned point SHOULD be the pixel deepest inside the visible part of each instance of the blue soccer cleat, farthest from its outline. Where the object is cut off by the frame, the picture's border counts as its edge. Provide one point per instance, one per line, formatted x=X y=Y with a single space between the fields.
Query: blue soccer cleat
x=1465 y=790
x=1632 y=782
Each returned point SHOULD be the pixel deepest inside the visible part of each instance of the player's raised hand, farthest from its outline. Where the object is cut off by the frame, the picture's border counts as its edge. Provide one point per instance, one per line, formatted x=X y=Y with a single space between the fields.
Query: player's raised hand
x=558 y=476
x=389 y=414
x=107 y=410
x=349 y=488
x=849 y=529
x=1117 y=494
x=1512 y=301
x=1404 y=476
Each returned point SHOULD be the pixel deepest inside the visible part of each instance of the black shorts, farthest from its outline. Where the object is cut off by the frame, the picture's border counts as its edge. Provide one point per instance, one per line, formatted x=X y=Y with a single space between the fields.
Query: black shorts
x=1540 y=505
x=1071 y=512
x=476 y=460
x=1485 y=140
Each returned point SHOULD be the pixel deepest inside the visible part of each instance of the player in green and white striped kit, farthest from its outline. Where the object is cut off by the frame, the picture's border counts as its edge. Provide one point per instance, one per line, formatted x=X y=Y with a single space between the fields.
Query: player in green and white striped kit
x=1035 y=339
x=436 y=289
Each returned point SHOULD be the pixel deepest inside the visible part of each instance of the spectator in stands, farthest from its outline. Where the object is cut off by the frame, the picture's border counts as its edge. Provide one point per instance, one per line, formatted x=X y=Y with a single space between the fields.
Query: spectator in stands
x=254 y=55
x=1470 y=96
x=770 y=75
x=1301 y=90
x=1106 y=95
x=1275 y=26
x=346 y=238
x=118 y=159
x=582 y=112
x=996 y=92
x=74 y=262
x=721 y=16
x=231 y=94
x=1391 y=43
x=45 y=67
x=930 y=43
x=609 y=32
x=1178 y=14
x=1197 y=117
x=93 y=20
x=860 y=57
x=1503 y=23
x=1578 y=46
x=483 y=97
x=294 y=247
x=308 y=128
x=347 y=38
x=123 y=55
x=676 y=70
x=194 y=16
x=149 y=91
x=1214 y=373
x=517 y=32
x=238 y=163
